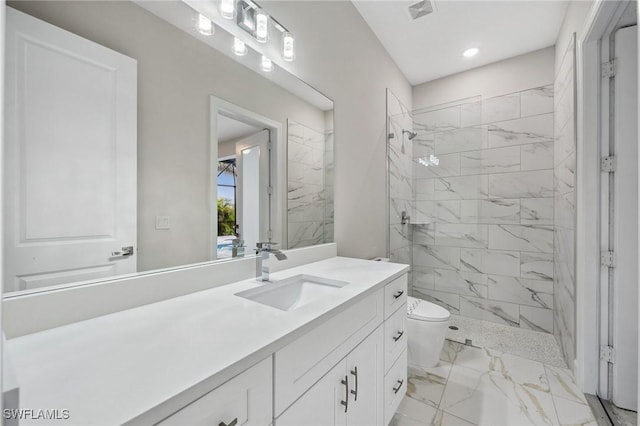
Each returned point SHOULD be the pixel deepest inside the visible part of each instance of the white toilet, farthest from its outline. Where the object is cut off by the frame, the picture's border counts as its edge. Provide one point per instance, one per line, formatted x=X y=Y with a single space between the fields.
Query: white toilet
x=426 y=327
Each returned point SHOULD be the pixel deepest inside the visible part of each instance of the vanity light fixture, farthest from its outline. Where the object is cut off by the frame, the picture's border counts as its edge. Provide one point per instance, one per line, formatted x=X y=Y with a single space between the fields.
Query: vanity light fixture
x=239 y=48
x=205 y=26
x=266 y=64
x=288 y=46
x=470 y=53
x=228 y=9
x=262 y=26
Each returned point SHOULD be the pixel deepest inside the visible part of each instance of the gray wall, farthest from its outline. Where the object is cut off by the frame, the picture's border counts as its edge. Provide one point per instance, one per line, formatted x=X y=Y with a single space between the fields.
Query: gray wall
x=176 y=76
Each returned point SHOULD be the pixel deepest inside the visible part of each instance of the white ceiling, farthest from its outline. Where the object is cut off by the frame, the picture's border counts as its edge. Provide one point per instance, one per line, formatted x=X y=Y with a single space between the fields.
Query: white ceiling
x=231 y=130
x=431 y=46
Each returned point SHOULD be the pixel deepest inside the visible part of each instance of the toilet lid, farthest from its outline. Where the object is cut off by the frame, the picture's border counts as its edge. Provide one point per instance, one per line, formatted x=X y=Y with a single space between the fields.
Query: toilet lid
x=422 y=310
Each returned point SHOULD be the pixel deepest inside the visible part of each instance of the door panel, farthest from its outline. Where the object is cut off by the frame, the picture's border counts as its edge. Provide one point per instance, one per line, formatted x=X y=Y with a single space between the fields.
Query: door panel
x=70 y=183
x=625 y=219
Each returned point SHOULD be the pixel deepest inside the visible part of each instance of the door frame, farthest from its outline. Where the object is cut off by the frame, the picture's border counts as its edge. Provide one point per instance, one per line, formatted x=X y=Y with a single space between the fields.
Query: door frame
x=592 y=141
x=277 y=168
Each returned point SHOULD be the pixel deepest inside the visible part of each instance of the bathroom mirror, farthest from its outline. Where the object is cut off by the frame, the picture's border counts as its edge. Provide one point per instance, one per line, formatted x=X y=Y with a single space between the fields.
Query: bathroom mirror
x=214 y=148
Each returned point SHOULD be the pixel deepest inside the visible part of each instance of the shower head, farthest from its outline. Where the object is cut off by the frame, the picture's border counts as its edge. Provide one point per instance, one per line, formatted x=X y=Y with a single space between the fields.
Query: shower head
x=411 y=134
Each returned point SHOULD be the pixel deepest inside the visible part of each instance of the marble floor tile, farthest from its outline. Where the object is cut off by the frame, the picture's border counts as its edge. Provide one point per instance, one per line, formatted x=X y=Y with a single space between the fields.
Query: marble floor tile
x=573 y=413
x=443 y=418
x=426 y=385
x=416 y=410
x=485 y=398
x=400 y=419
x=563 y=385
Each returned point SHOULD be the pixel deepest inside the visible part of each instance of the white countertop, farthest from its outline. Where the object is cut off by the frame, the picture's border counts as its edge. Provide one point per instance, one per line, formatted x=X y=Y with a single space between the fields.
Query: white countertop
x=144 y=363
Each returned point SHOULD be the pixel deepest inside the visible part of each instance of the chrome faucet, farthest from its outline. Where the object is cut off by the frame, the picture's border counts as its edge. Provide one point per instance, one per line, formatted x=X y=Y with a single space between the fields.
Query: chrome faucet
x=263 y=250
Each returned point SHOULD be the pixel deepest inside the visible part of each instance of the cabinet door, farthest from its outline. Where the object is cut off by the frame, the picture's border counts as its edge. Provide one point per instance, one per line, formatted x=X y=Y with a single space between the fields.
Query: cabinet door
x=322 y=404
x=365 y=369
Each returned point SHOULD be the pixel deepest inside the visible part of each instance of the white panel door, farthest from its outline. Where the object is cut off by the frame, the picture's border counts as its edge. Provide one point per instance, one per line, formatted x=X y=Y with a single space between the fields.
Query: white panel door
x=625 y=219
x=70 y=163
x=252 y=209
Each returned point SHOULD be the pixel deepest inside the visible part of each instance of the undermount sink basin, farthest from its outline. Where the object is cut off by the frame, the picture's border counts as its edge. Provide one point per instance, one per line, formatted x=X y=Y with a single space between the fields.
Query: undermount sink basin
x=291 y=293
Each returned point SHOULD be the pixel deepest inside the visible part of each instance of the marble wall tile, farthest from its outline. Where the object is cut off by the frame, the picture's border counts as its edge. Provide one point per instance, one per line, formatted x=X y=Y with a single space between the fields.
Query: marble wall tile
x=538 y=128
x=304 y=193
x=308 y=232
x=462 y=283
x=564 y=104
x=459 y=140
x=565 y=143
x=395 y=107
x=490 y=211
x=437 y=211
x=537 y=319
x=463 y=187
x=424 y=144
x=490 y=262
x=536 y=265
x=401 y=255
x=304 y=212
x=396 y=207
x=299 y=172
x=400 y=185
x=424 y=189
x=449 y=301
x=462 y=235
x=535 y=184
x=523 y=291
x=565 y=174
x=423 y=277
x=399 y=236
x=436 y=256
x=537 y=211
x=490 y=310
x=501 y=108
x=537 y=156
x=536 y=238
x=449 y=166
x=498 y=160
x=304 y=154
x=471 y=114
x=424 y=234
x=438 y=120
x=537 y=101
x=565 y=210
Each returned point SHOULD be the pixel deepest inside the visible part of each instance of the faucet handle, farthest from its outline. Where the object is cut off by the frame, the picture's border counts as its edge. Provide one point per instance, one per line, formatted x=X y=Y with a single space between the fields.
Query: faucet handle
x=266 y=245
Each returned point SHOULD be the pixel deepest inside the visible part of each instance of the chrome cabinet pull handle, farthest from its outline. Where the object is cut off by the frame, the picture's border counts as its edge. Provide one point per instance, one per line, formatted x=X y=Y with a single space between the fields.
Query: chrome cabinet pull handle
x=355 y=392
x=398 y=294
x=126 y=251
x=233 y=423
x=398 y=336
x=345 y=382
x=400 y=382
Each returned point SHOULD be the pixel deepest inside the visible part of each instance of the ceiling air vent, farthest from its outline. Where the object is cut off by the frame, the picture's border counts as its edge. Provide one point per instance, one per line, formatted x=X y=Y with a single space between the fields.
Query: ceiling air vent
x=420 y=9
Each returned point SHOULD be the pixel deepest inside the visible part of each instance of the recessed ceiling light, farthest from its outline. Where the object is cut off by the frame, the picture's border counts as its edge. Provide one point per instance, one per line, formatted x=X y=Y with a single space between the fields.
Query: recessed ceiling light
x=469 y=53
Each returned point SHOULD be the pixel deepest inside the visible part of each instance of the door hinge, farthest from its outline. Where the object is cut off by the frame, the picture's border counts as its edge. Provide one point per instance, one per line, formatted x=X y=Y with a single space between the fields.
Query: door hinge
x=608 y=259
x=269 y=145
x=607 y=353
x=608 y=164
x=270 y=190
x=609 y=69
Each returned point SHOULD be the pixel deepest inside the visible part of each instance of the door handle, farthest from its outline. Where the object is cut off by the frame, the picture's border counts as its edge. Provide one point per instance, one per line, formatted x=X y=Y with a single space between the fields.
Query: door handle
x=126 y=251
x=345 y=382
x=234 y=422
x=355 y=392
x=398 y=336
x=396 y=389
x=398 y=294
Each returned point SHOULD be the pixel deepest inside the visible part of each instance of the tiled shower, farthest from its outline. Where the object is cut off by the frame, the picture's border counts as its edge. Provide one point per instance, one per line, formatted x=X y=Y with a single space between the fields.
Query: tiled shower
x=479 y=187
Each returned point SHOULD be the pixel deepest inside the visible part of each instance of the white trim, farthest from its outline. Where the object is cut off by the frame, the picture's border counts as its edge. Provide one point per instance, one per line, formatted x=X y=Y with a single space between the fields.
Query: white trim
x=231 y=110
x=2 y=35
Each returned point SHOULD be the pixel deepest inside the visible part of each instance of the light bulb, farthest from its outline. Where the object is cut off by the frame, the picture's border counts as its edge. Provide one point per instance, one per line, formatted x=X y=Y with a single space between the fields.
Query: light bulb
x=262 y=27
x=288 y=47
x=228 y=9
x=266 y=64
x=469 y=53
x=239 y=48
x=205 y=26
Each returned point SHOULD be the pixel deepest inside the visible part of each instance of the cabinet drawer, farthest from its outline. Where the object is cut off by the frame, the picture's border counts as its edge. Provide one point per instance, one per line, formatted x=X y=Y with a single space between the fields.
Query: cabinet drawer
x=395 y=295
x=395 y=337
x=246 y=399
x=395 y=387
x=303 y=362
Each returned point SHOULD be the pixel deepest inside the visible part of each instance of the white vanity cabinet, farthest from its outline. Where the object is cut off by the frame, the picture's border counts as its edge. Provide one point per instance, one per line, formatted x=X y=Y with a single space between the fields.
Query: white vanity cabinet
x=244 y=400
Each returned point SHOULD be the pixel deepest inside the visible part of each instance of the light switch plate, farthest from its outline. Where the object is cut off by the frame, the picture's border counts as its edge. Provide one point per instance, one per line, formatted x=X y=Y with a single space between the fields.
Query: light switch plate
x=162 y=222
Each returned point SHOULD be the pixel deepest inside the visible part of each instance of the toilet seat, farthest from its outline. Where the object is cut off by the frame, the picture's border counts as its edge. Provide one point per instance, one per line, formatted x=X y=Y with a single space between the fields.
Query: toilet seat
x=422 y=310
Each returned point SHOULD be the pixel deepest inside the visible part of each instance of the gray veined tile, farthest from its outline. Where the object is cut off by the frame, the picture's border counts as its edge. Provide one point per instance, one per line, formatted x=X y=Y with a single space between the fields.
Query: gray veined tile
x=534 y=184
x=449 y=301
x=304 y=154
x=565 y=210
x=573 y=413
x=459 y=140
x=490 y=310
x=490 y=262
x=463 y=283
x=537 y=211
x=537 y=156
x=490 y=211
x=536 y=238
x=449 y=165
x=437 y=211
x=401 y=255
x=299 y=172
x=305 y=231
x=423 y=144
x=565 y=143
x=450 y=351
x=565 y=173
x=564 y=108
x=396 y=207
x=463 y=187
x=536 y=265
x=301 y=192
x=538 y=319
x=395 y=106
x=461 y=235
x=526 y=130
x=523 y=291
x=563 y=384
x=438 y=120
x=443 y=418
x=413 y=412
x=424 y=234
x=537 y=101
x=501 y=108
x=424 y=189
x=471 y=114
x=436 y=256
x=497 y=160
x=423 y=278
x=427 y=384
x=305 y=212
x=399 y=236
